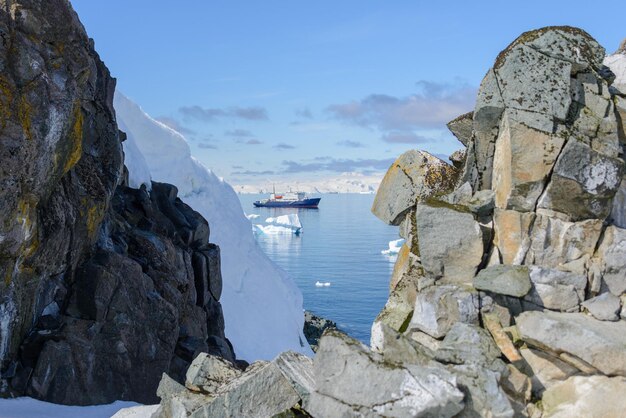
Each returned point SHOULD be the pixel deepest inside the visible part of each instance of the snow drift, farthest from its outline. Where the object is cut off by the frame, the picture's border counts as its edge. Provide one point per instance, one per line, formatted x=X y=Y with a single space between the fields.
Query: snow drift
x=262 y=305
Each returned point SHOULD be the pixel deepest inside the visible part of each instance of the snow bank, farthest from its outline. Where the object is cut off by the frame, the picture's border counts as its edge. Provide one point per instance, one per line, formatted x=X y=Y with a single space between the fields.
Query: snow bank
x=262 y=305
x=32 y=408
x=138 y=171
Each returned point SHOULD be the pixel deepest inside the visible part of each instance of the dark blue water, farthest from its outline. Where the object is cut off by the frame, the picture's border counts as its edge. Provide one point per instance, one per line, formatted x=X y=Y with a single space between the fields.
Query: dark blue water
x=341 y=244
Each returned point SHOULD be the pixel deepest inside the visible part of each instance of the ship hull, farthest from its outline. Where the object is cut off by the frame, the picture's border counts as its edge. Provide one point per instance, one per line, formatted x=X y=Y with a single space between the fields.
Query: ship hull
x=306 y=203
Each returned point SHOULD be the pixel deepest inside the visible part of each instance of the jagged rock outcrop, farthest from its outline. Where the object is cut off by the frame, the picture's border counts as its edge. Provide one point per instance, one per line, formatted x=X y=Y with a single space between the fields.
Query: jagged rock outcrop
x=415 y=175
x=144 y=301
x=216 y=388
x=314 y=327
x=341 y=362
x=533 y=229
x=61 y=158
x=103 y=287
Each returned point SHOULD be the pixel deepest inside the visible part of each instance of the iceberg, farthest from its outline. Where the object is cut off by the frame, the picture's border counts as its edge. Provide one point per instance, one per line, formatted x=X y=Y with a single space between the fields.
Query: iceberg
x=275 y=230
x=262 y=305
x=391 y=253
x=394 y=247
x=291 y=222
x=322 y=284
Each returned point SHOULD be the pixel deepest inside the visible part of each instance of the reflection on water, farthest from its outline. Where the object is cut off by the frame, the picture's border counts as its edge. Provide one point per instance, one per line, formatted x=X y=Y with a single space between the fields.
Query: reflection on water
x=289 y=244
x=341 y=244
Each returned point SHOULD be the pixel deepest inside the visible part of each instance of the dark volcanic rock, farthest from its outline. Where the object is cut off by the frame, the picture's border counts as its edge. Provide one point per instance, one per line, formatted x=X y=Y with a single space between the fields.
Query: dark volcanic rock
x=103 y=287
x=314 y=327
x=60 y=159
x=138 y=307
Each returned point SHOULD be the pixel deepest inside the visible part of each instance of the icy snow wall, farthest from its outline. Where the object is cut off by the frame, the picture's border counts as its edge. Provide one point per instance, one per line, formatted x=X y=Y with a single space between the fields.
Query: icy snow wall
x=262 y=305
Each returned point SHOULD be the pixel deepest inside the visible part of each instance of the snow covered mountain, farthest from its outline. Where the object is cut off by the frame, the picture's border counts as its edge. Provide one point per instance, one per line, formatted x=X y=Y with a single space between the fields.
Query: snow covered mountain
x=262 y=305
x=344 y=183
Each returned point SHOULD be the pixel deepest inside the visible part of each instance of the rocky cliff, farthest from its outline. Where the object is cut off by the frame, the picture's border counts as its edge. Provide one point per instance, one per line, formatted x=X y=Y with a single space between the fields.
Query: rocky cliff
x=509 y=297
x=262 y=304
x=103 y=287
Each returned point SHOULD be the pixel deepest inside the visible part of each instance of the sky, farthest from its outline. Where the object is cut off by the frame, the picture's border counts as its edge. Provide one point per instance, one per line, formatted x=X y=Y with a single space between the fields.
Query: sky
x=274 y=90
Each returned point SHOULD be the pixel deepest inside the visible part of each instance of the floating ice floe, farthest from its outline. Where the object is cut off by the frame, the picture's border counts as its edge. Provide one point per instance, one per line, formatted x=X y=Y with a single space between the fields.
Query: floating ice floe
x=394 y=248
x=322 y=284
x=253 y=216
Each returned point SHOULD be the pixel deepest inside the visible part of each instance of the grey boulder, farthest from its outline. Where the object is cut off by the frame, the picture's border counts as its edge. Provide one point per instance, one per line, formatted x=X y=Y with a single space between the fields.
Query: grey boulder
x=555 y=289
x=353 y=381
x=586 y=397
x=583 y=183
x=450 y=241
x=208 y=373
x=438 y=308
x=414 y=176
x=598 y=343
x=461 y=127
x=605 y=307
x=504 y=280
x=263 y=391
x=545 y=370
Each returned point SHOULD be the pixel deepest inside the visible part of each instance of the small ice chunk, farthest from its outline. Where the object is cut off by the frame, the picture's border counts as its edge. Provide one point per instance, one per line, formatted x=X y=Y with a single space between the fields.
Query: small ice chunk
x=322 y=284
x=253 y=216
x=394 y=247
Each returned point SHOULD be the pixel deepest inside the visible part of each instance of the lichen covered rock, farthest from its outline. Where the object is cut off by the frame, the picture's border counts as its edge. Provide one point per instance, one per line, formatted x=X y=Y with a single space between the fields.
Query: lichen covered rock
x=61 y=159
x=103 y=287
x=413 y=177
x=530 y=243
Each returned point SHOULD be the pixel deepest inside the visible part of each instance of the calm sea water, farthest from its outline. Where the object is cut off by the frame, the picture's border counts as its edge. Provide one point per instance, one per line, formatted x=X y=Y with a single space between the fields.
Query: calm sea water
x=341 y=243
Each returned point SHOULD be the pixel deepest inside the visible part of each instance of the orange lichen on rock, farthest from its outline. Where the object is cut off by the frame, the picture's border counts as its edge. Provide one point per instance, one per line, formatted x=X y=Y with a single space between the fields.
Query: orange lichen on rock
x=76 y=139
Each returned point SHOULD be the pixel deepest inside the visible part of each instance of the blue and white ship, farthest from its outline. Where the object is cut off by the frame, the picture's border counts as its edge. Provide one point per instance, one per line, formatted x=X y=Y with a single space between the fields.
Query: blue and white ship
x=289 y=200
